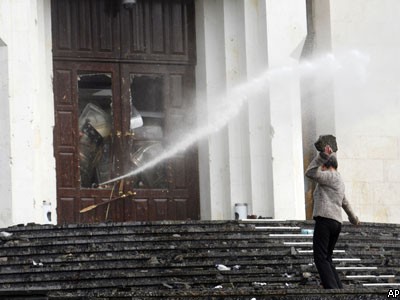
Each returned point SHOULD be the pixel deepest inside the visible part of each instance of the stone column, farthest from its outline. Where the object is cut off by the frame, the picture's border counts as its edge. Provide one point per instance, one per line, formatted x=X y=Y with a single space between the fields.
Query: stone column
x=5 y=147
x=210 y=84
x=238 y=127
x=286 y=32
x=259 y=114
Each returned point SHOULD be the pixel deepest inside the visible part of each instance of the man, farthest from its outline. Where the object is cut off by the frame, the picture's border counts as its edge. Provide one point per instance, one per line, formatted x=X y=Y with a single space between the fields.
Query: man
x=329 y=199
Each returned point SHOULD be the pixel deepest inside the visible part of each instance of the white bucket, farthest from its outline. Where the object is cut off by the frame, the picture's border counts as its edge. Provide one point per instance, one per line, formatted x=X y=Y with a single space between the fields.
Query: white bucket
x=46 y=212
x=240 y=211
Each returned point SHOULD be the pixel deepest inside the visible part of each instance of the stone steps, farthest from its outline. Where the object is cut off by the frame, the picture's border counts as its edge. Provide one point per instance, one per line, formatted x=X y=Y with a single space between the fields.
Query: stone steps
x=177 y=260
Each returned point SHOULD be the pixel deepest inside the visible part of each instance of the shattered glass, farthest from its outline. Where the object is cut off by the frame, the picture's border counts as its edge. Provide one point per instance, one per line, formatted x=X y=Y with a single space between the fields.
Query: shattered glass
x=95 y=128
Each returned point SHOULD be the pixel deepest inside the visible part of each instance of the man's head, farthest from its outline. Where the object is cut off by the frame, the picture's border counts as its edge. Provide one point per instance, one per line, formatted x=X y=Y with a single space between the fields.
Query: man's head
x=331 y=163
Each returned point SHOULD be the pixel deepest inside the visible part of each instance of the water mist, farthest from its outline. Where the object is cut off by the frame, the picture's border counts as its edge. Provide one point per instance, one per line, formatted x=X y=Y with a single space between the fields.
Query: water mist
x=223 y=109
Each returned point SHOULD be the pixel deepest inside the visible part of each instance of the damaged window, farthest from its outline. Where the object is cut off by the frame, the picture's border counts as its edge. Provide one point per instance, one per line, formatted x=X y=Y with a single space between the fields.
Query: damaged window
x=95 y=128
x=147 y=128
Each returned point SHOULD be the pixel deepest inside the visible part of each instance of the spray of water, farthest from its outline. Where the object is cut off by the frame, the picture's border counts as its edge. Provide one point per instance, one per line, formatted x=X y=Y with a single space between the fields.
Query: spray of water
x=320 y=70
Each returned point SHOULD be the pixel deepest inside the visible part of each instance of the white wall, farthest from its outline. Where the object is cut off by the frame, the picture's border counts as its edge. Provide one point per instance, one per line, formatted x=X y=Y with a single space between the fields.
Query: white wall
x=25 y=30
x=368 y=105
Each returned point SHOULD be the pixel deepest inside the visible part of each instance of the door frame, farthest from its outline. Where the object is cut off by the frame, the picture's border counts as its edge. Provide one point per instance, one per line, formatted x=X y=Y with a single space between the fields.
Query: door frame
x=173 y=203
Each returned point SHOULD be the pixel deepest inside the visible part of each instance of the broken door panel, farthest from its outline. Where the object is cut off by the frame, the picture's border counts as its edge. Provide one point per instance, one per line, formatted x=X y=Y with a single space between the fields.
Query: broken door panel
x=158 y=93
x=86 y=143
x=95 y=125
x=146 y=141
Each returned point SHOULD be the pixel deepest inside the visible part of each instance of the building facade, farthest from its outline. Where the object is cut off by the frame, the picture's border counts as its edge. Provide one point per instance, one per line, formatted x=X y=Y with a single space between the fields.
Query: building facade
x=235 y=94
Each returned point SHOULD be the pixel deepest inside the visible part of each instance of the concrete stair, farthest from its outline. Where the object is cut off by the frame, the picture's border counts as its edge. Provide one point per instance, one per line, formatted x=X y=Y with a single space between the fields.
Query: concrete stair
x=268 y=259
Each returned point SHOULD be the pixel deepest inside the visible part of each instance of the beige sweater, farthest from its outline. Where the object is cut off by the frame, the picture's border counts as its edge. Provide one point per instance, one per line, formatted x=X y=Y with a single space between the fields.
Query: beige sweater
x=329 y=194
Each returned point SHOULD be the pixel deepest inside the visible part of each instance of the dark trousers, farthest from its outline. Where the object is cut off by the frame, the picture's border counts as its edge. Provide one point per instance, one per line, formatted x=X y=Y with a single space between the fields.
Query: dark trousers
x=326 y=234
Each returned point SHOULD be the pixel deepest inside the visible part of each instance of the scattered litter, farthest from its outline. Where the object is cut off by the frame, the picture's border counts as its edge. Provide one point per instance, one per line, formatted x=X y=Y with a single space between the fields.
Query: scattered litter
x=167 y=285
x=176 y=235
x=259 y=283
x=218 y=287
x=5 y=234
x=184 y=284
x=236 y=267
x=154 y=260
x=37 y=264
x=288 y=275
x=221 y=267
x=306 y=274
x=178 y=258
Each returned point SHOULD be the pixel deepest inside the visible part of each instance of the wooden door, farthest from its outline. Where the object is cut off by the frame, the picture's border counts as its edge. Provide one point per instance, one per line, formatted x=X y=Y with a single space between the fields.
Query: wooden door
x=159 y=95
x=86 y=136
x=102 y=133
x=105 y=58
x=105 y=129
